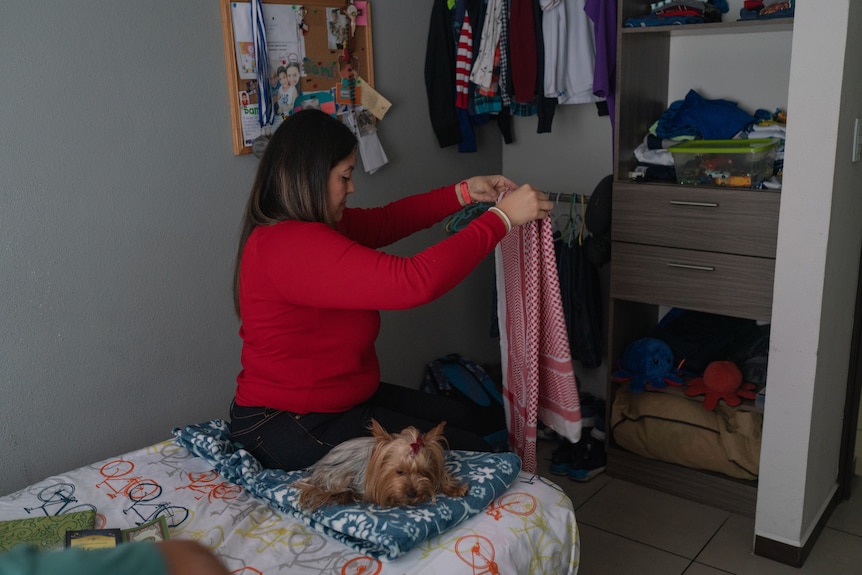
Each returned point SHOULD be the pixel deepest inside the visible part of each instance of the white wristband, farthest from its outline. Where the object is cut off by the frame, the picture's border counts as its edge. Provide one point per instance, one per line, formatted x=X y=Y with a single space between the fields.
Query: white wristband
x=503 y=217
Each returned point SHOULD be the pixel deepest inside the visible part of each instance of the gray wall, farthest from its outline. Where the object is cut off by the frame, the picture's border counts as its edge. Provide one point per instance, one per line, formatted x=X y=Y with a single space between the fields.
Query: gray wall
x=120 y=199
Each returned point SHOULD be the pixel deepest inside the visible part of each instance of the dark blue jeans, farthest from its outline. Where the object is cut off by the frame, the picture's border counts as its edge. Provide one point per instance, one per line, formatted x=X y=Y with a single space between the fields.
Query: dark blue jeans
x=285 y=440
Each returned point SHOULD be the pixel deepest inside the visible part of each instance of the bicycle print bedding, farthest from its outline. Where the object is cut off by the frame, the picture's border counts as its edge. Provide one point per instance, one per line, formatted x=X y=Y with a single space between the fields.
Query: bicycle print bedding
x=528 y=528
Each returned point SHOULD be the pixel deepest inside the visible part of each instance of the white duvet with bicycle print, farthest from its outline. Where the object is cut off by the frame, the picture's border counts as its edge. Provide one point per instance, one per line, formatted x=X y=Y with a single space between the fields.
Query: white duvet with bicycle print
x=530 y=528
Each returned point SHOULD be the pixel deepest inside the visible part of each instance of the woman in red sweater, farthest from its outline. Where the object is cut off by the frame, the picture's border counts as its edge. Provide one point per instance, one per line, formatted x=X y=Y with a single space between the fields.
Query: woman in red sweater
x=310 y=279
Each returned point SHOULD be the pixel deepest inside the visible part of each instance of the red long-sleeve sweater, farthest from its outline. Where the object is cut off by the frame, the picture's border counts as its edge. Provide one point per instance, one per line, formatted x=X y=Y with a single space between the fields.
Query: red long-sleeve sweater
x=309 y=297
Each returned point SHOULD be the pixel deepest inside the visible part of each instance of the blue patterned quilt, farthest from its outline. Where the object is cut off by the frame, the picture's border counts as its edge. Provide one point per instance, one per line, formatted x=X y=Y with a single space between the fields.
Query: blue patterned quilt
x=381 y=532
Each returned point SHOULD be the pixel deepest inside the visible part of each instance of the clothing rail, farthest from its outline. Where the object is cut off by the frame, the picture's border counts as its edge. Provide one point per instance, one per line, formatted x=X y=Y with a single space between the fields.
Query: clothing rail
x=567 y=197
x=465 y=215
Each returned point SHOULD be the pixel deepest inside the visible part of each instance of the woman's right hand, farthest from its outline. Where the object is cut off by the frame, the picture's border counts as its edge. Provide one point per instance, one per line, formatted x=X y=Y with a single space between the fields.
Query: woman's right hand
x=525 y=204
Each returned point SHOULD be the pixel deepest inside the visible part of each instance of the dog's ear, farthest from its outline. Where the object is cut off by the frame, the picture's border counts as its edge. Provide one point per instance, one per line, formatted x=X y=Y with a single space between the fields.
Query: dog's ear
x=378 y=432
x=436 y=434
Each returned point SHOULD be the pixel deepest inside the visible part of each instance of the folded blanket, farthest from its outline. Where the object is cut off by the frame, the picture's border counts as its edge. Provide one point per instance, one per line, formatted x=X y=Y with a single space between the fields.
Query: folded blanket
x=382 y=532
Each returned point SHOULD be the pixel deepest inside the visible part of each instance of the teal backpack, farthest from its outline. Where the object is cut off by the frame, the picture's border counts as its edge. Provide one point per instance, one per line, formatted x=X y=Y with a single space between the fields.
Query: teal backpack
x=466 y=381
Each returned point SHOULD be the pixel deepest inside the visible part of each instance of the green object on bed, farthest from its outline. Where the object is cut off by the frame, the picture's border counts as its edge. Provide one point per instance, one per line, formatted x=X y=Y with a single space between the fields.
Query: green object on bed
x=44 y=532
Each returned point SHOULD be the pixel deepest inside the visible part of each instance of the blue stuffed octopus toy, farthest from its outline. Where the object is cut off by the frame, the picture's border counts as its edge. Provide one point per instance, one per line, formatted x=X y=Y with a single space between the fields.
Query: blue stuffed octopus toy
x=648 y=362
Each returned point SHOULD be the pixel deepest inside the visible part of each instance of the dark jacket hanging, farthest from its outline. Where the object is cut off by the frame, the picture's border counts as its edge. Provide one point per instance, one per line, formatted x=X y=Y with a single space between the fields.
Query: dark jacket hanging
x=580 y=291
x=440 y=76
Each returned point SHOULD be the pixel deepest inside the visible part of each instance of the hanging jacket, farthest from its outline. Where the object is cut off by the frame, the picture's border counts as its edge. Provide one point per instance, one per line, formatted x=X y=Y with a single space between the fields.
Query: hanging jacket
x=582 y=302
x=440 y=76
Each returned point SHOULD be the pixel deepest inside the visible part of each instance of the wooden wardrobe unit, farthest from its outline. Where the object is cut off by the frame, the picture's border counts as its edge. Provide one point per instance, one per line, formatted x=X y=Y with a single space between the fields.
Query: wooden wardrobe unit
x=709 y=249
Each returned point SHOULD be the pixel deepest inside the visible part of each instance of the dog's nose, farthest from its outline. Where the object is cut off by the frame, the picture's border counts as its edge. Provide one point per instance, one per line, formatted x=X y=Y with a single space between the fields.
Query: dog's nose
x=411 y=492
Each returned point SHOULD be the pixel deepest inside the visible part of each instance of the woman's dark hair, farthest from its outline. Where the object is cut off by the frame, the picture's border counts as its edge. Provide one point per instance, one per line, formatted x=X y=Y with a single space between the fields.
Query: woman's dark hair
x=292 y=178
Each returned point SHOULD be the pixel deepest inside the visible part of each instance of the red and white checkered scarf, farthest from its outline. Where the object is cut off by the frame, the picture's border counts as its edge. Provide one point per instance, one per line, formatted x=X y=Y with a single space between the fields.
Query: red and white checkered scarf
x=538 y=377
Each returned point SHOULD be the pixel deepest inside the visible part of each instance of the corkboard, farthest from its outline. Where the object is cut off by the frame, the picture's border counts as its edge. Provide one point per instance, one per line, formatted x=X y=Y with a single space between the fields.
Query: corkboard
x=323 y=67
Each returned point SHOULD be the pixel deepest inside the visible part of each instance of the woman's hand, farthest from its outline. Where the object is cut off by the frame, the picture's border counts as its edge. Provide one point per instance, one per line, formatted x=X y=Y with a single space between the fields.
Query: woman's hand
x=525 y=204
x=488 y=188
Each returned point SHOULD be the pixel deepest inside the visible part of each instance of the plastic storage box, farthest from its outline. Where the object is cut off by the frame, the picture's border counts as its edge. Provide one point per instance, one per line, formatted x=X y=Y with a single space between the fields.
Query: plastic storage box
x=736 y=163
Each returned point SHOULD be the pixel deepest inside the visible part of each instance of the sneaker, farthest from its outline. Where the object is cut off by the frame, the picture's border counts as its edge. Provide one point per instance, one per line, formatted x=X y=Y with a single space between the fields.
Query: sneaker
x=593 y=460
x=563 y=457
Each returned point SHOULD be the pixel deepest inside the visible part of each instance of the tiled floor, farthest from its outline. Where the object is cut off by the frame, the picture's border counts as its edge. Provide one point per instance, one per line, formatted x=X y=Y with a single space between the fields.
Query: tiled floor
x=628 y=529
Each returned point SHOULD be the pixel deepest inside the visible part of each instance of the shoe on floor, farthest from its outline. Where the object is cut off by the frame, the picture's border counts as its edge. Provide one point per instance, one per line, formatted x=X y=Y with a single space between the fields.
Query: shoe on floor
x=563 y=457
x=593 y=460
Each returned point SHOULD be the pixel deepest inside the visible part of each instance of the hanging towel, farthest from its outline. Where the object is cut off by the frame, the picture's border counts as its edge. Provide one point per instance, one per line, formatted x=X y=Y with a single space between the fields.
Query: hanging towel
x=538 y=378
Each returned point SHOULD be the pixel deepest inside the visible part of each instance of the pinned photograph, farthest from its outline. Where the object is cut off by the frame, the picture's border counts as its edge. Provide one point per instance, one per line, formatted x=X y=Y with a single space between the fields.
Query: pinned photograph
x=337 y=29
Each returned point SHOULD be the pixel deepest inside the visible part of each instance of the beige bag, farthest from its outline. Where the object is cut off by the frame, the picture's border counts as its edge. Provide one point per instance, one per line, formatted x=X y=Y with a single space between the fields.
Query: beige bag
x=678 y=430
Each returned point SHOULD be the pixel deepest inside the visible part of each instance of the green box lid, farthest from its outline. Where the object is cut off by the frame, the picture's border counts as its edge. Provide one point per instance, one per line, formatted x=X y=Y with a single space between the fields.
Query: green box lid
x=752 y=146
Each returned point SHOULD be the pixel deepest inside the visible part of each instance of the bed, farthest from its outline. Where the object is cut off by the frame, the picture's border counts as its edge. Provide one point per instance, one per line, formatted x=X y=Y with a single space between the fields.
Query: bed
x=210 y=490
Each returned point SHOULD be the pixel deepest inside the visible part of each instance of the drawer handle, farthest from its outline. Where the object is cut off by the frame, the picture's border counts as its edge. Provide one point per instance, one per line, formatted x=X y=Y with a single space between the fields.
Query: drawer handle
x=691 y=267
x=694 y=204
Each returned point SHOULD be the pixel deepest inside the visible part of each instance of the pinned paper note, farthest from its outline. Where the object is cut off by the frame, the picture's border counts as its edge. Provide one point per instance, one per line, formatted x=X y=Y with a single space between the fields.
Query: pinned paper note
x=373 y=101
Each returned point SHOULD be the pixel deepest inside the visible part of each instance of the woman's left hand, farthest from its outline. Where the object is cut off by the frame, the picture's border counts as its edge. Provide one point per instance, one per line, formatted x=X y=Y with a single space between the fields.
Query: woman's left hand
x=488 y=188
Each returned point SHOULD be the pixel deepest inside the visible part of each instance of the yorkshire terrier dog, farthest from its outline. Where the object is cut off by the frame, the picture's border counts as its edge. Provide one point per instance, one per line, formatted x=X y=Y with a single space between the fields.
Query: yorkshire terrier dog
x=387 y=469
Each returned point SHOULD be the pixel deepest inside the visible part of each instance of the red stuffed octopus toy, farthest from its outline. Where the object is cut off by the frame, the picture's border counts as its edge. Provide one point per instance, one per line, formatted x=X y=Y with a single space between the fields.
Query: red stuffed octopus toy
x=721 y=380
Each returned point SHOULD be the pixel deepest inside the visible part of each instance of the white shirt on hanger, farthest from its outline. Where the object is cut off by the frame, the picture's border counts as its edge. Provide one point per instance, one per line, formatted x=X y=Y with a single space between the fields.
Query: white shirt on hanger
x=570 y=51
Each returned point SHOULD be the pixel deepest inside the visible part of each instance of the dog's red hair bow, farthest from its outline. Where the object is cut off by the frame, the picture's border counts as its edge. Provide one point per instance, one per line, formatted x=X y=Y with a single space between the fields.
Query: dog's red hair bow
x=416 y=446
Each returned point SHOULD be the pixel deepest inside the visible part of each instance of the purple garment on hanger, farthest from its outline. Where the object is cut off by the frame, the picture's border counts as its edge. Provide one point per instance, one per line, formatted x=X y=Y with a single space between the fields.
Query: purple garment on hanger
x=603 y=13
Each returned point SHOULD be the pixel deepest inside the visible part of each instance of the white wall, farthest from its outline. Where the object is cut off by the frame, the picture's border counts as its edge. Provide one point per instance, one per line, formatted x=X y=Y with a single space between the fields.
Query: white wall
x=819 y=242
x=750 y=69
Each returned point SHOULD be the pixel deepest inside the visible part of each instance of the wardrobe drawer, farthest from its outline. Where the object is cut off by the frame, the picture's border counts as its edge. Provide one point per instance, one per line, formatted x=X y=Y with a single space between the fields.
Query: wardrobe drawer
x=726 y=284
x=743 y=222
